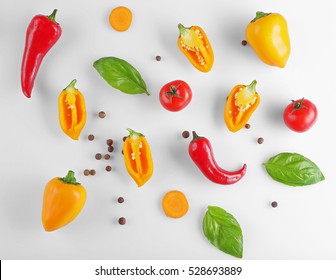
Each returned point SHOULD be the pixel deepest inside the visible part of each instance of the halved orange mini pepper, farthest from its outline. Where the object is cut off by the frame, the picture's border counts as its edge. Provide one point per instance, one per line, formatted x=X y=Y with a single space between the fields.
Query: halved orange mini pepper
x=138 y=157
x=241 y=103
x=72 y=111
x=194 y=44
x=63 y=200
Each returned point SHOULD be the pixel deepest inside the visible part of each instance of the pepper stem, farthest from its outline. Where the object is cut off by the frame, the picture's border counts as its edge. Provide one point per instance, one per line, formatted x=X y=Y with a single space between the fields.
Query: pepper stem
x=71 y=86
x=183 y=30
x=252 y=87
x=70 y=178
x=195 y=136
x=52 y=16
x=259 y=15
x=134 y=134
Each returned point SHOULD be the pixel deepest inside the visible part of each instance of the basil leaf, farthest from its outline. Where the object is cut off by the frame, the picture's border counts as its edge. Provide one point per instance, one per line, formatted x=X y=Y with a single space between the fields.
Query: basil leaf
x=223 y=231
x=293 y=169
x=121 y=75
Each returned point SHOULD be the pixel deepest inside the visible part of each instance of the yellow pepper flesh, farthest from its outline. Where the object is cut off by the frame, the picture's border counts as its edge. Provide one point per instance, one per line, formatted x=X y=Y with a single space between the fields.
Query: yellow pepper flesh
x=195 y=45
x=241 y=103
x=138 y=157
x=72 y=111
x=268 y=35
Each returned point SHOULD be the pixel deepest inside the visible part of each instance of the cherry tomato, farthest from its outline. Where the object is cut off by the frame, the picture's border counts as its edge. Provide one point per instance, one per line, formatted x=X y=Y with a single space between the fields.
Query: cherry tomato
x=300 y=115
x=175 y=96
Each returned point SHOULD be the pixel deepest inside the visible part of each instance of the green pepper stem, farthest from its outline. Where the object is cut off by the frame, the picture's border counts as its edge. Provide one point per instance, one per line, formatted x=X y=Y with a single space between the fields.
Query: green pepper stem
x=252 y=87
x=134 y=134
x=195 y=136
x=183 y=30
x=71 y=86
x=52 y=17
x=259 y=15
x=70 y=178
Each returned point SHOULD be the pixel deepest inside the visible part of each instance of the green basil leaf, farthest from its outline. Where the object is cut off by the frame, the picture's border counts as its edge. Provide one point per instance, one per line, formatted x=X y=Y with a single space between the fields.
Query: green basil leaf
x=121 y=75
x=293 y=169
x=223 y=231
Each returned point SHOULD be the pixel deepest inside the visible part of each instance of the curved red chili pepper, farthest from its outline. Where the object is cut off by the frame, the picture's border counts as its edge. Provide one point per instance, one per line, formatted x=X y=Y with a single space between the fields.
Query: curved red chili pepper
x=200 y=151
x=42 y=33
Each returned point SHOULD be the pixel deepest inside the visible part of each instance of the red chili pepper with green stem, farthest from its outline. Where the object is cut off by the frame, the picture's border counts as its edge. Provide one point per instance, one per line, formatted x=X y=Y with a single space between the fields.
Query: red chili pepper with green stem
x=42 y=33
x=201 y=153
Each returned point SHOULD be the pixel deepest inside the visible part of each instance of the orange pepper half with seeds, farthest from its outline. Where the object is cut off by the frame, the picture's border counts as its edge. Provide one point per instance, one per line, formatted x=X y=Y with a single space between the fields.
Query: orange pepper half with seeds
x=194 y=44
x=241 y=103
x=138 y=157
x=72 y=111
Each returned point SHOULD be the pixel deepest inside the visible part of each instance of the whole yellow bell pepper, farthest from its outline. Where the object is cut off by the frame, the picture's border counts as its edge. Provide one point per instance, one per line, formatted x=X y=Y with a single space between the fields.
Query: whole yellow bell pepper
x=268 y=35
x=63 y=200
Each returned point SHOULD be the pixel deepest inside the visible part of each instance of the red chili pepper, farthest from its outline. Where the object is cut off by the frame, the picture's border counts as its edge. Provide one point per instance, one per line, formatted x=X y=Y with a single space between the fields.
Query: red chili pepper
x=42 y=33
x=200 y=151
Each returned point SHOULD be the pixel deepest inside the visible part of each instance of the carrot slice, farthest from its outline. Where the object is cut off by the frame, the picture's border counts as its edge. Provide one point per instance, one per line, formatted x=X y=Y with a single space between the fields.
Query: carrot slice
x=175 y=204
x=120 y=18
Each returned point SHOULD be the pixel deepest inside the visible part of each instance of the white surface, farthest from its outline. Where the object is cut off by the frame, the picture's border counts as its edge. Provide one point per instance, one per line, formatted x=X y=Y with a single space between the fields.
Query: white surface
x=34 y=149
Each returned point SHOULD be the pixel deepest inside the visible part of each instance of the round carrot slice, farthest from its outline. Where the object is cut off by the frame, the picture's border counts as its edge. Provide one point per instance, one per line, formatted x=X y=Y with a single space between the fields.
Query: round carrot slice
x=175 y=204
x=120 y=18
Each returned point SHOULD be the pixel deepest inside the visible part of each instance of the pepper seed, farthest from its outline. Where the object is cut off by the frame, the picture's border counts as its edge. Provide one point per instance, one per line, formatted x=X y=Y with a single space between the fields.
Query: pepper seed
x=185 y=134
x=110 y=149
x=247 y=126
x=260 y=140
x=108 y=168
x=102 y=114
x=98 y=156
x=92 y=172
x=86 y=172
x=109 y=142
x=121 y=199
x=244 y=42
x=122 y=220
x=158 y=58
x=91 y=137
x=274 y=204
x=107 y=156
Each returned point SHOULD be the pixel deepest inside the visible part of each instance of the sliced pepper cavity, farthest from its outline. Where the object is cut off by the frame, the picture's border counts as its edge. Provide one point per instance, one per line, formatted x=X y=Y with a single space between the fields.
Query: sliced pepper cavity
x=246 y=96
x=137 y=157
x=72 y=112
x=241 y=103
x=195 y=45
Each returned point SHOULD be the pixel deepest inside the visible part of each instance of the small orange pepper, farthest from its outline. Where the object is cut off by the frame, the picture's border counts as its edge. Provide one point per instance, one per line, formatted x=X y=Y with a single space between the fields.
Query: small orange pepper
x=63 y=200
x=72 y=111
x=268 y=35
x=194 y=44
x=241 y=103
x=138 y=157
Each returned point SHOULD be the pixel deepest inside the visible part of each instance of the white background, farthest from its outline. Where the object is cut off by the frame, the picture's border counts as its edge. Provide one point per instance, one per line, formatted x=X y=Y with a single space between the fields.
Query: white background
x=34 y=149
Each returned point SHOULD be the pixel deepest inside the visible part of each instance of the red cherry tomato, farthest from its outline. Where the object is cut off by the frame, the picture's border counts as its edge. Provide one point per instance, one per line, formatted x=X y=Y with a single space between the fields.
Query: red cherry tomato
x=175 y=96
x=300 y=115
